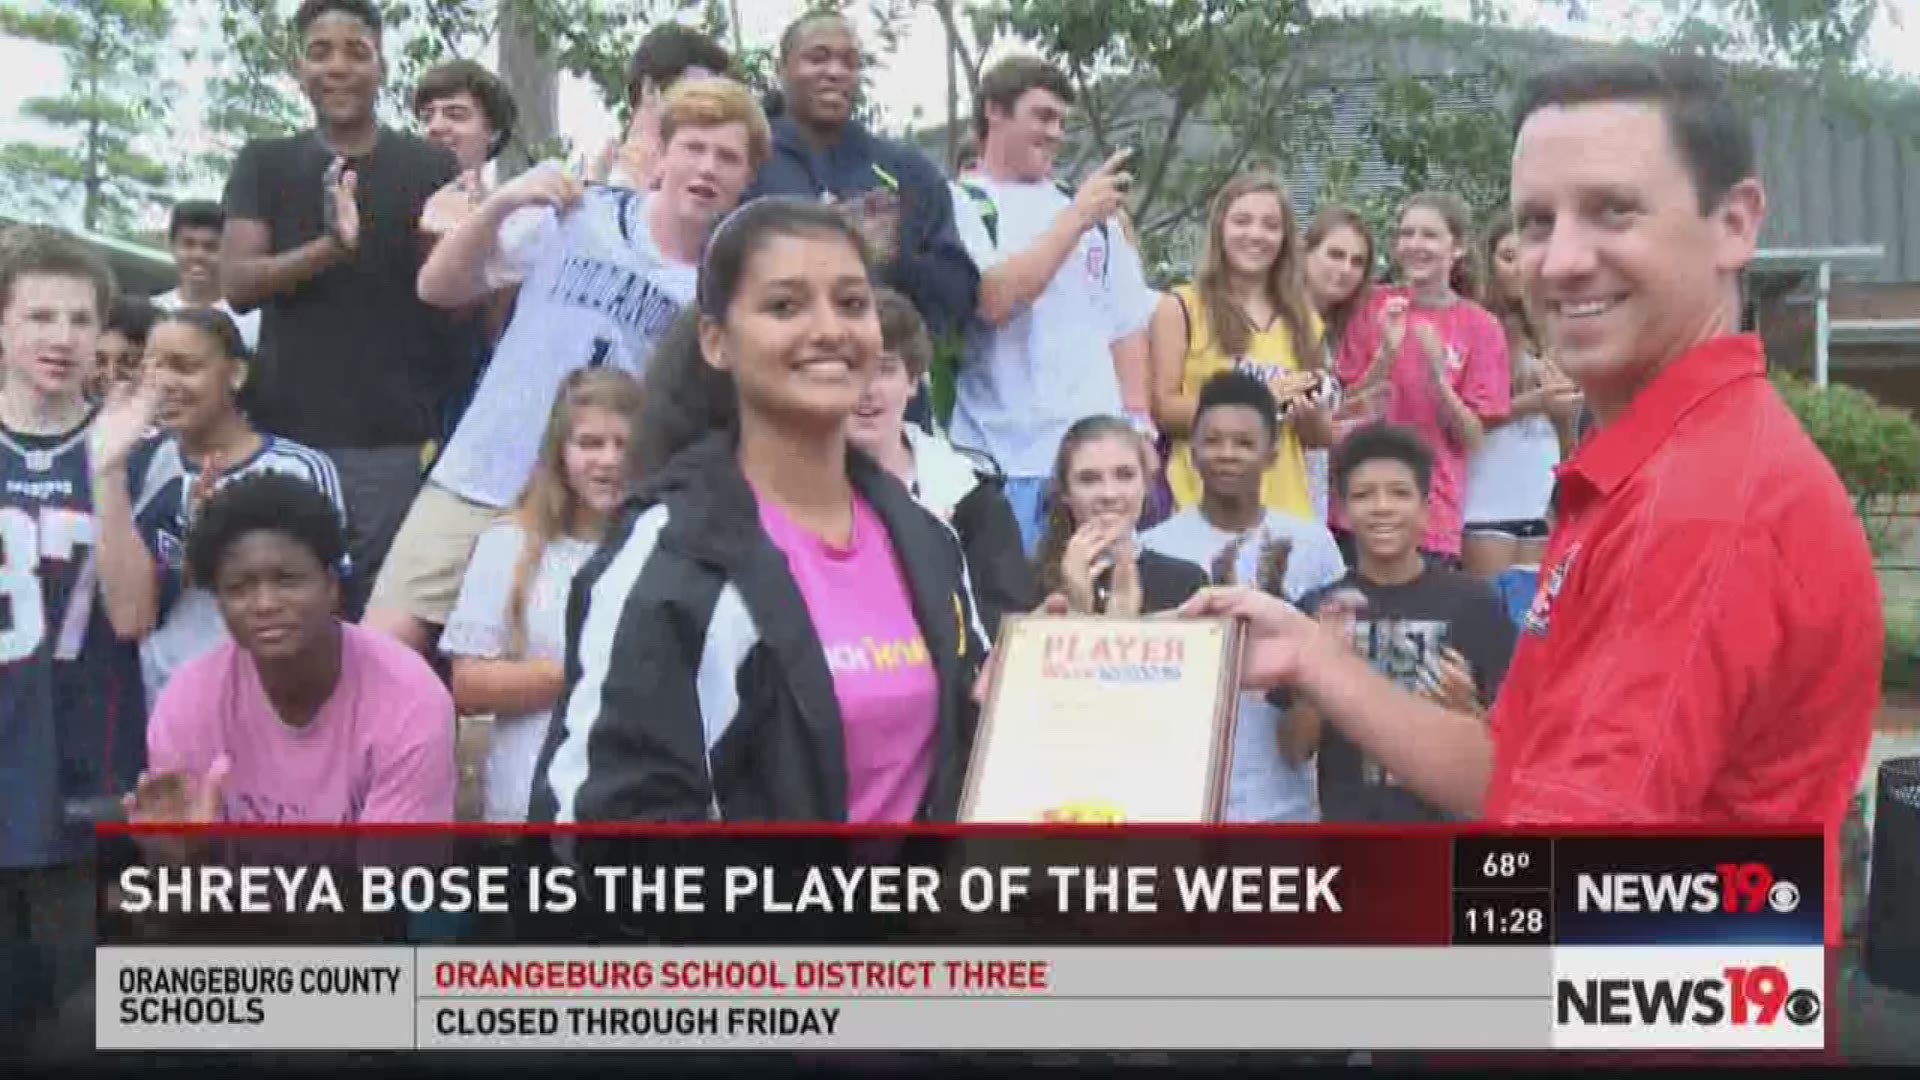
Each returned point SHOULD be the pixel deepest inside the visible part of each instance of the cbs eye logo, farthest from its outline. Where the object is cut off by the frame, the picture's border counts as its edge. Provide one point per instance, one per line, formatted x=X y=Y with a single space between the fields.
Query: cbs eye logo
x=1802 y=1007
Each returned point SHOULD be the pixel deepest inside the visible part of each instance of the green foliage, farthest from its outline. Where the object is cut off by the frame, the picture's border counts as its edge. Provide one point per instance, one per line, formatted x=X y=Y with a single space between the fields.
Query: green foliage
x=1874 y=448
x=1790 y=47
x=417 y=36
x=943 y=376
x=1236 y=84
x=255 y=93
x=251 y=93
x=1900 y=658
x=114 y=102
x=1229 y=76
x=595 y=40
x=1807 y=34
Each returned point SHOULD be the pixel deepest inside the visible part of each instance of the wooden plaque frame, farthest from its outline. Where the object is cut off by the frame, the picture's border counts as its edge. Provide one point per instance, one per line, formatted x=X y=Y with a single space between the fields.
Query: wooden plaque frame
x=1093 y=719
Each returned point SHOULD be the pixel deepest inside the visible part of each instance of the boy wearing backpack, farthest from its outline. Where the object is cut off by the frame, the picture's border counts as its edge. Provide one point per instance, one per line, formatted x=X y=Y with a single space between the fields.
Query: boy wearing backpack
x=1064 y=305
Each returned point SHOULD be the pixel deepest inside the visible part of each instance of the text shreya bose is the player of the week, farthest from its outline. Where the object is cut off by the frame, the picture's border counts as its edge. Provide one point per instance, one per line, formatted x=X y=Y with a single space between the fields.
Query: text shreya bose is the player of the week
x=683 y=890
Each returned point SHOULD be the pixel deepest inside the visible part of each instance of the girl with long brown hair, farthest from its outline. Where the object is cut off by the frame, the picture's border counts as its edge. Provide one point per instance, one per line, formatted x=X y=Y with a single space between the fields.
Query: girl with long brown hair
x=1510 y=478
x=1088 y=551
x=506 y=636
x=1246 y=310
x=1337 y=269
x=1337 y=266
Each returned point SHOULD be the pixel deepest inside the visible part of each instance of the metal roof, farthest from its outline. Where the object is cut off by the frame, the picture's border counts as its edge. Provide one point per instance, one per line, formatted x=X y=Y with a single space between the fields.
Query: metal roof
x=1834 y=179
x=138 y=268
x=1853 y=256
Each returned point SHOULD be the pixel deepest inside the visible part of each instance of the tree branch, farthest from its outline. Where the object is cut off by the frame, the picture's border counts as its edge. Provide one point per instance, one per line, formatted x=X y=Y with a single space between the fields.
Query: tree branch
x=1183 y=105
x=957 y=44
x=1095 y=123
x=1187 y=211
x=1169 y=143
x=1192 y=208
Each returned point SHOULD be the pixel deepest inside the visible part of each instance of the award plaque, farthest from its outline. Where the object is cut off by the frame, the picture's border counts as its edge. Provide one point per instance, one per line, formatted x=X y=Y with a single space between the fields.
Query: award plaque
x=1105 y=719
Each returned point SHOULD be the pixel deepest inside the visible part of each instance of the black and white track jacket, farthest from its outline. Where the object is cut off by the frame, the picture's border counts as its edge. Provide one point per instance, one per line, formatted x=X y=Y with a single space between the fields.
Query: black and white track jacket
x=696 y=686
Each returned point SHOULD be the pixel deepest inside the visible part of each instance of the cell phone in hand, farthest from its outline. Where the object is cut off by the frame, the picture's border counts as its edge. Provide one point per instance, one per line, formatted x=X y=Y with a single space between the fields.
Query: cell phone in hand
x=329 y=185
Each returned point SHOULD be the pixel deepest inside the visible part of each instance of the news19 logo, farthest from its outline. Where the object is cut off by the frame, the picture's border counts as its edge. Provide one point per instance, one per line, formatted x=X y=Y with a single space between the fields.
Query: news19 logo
x=1729 y=888
x=1693 y=997
x=1739 y=996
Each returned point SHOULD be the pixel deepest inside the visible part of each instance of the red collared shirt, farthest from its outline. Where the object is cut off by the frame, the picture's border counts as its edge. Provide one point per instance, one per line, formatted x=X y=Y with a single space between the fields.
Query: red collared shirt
x=1705 y=645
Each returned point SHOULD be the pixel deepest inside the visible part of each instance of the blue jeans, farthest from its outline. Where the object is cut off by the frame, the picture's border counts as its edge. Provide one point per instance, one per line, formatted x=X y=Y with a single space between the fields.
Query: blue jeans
x=1028 y=496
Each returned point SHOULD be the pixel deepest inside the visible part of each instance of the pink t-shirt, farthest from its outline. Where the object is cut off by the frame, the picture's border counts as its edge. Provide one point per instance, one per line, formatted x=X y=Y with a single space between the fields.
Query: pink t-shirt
x=1480 y=377
x=889 y=696
x=380 y=749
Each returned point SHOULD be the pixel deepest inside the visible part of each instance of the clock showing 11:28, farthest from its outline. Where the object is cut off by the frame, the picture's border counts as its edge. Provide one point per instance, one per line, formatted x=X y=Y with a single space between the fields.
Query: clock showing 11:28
x=1486 y=917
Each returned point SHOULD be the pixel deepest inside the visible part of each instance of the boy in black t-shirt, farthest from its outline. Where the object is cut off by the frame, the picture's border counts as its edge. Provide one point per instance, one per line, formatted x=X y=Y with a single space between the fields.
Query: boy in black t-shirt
x=322 y=237
x=1433 y=630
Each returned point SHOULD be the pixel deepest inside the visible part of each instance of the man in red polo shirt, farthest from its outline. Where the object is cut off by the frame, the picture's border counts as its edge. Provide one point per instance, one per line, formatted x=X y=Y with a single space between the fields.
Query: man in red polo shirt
x=1706 y=642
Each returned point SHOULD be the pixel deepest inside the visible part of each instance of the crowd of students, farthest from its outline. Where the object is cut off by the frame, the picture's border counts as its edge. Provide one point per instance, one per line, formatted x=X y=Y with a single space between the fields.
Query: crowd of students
x=817 y=419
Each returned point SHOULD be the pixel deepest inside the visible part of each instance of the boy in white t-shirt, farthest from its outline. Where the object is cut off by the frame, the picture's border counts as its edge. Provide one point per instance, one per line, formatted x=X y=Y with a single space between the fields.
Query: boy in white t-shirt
x=1064 y=305
x=602 y=273
x=193 y=235
x=1235 y=437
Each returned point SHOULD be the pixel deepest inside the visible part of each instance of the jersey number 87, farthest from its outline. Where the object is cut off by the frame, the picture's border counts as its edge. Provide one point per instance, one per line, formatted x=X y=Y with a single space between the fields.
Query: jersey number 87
x=24 y=542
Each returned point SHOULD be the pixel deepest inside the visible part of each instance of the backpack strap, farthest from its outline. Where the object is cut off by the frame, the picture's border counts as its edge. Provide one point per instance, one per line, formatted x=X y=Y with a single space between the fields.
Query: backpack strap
x=1106 y=236
x=984 y=206
x=990 y=214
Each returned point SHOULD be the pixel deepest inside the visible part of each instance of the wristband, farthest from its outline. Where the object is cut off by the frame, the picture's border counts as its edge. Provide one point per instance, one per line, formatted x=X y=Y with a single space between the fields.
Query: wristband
x=1143 y=423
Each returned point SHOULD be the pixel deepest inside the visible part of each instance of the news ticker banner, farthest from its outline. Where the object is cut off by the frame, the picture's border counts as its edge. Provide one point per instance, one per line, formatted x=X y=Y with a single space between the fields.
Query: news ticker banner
x=977 y=939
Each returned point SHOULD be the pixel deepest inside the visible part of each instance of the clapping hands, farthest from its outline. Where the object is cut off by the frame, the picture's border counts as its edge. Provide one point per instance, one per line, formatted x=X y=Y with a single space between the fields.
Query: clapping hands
x=176 y=798
x=1449 y=683
x=340 y=205
x=1270 y=571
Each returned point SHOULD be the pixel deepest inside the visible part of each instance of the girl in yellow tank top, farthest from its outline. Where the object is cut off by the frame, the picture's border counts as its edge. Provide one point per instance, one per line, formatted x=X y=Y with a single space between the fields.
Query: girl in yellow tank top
x=1248 y=292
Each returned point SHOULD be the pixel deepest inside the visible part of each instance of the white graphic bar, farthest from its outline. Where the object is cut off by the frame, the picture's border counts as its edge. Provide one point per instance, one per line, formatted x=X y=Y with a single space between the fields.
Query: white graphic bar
x=1001 y=998
x=193 y=998
x=1718 y=997
x=880 y=1023
x=1038 y=972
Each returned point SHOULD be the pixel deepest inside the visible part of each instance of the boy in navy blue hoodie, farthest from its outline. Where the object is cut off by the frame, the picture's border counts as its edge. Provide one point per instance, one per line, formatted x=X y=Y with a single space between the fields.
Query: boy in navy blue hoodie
x=897 y=194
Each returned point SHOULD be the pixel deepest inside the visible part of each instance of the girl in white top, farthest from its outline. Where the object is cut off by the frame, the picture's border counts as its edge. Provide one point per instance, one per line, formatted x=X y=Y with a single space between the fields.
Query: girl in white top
x=1510 y=478
x=506 y=637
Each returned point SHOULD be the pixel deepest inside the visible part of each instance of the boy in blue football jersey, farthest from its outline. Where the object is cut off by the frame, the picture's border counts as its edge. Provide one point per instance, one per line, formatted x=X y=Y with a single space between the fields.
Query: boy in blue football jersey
x=72 y=715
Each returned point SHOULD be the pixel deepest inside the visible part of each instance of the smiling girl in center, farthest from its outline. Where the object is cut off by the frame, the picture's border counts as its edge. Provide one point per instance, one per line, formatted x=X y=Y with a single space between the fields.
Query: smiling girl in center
x=726 y=643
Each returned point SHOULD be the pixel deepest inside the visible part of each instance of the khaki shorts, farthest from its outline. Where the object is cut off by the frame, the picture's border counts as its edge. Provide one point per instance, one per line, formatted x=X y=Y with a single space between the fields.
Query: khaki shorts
x=430 y=553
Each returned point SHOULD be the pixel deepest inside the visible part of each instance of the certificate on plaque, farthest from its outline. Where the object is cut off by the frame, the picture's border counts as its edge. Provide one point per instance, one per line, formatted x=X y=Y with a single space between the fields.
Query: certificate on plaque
x=1106 y=719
